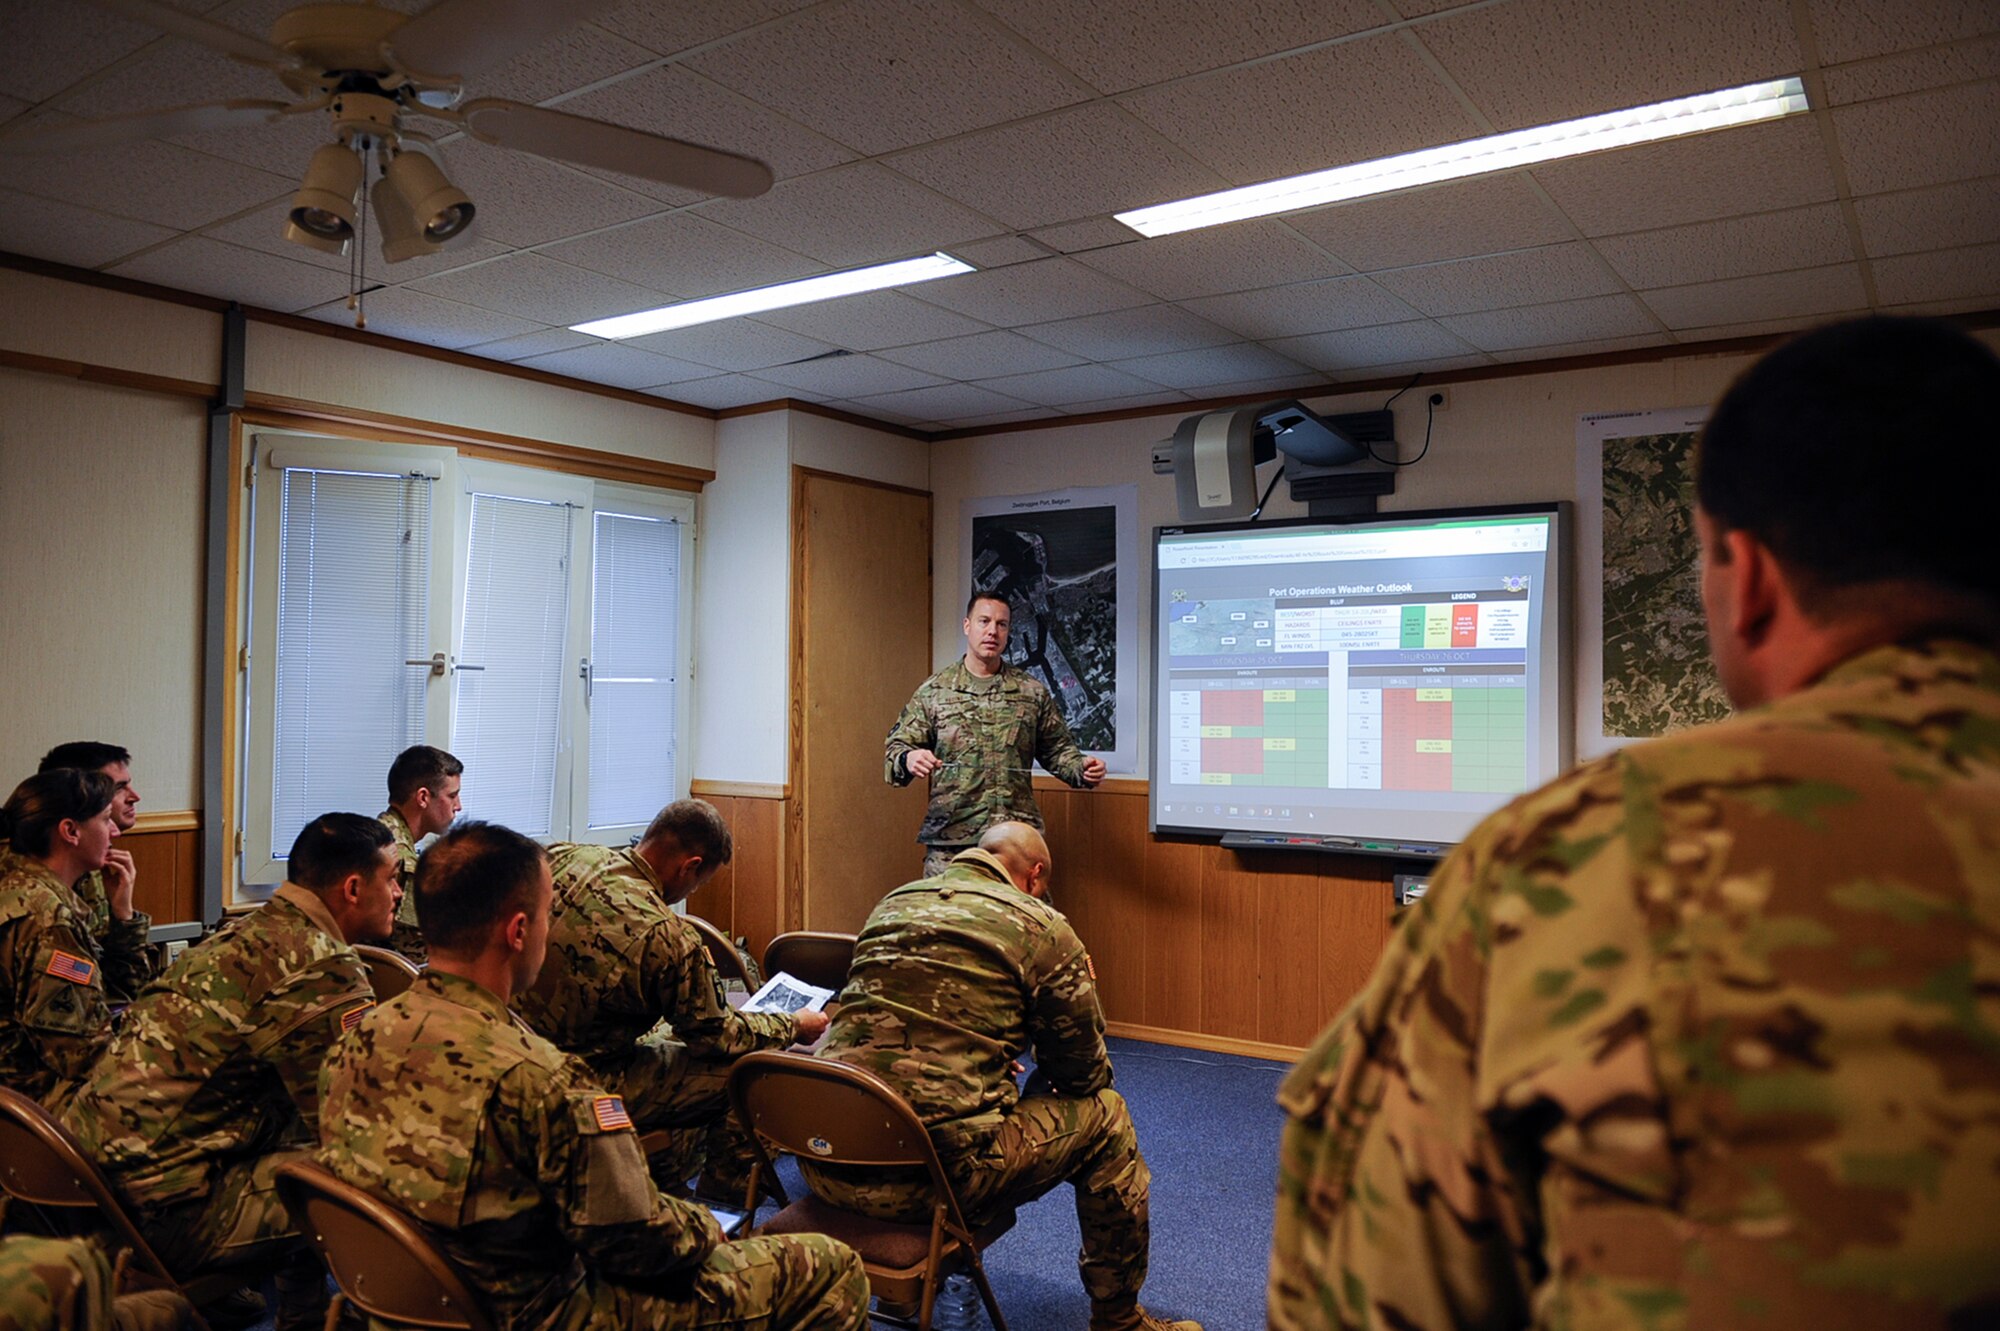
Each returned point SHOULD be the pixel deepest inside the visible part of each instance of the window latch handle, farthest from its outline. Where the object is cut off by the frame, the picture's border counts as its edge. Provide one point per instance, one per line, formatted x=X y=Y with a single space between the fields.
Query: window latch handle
x=435 y=661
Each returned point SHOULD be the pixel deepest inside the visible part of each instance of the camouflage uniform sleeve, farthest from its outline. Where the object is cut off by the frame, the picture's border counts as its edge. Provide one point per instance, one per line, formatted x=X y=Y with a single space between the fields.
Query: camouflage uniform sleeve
x=687 y=992
x=300 y=1021
x=578 y=1144
x=129 y=961
x=1055 y=748
x=1065 y=1023
x=915 y=728
x=67 y=1019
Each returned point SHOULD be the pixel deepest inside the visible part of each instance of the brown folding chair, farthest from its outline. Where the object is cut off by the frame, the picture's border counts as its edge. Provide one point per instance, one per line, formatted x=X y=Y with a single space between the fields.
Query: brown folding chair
x=389 y=972
x=44 y=1168
x=382 y=1261
x=819 y=959
x=722 y=951
x=831 y=1113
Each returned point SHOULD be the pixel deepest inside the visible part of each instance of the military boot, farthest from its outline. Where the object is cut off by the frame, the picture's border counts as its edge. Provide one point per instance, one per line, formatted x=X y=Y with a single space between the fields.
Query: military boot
x=1127 y=1315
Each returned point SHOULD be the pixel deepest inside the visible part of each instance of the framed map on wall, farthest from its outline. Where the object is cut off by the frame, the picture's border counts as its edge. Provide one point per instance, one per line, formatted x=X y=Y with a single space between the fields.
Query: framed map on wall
x=1642 y=645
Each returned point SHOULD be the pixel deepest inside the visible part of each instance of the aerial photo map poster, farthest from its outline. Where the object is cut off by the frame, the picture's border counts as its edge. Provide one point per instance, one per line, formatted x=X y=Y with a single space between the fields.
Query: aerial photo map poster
x=1642 y=646
x=1055 y=558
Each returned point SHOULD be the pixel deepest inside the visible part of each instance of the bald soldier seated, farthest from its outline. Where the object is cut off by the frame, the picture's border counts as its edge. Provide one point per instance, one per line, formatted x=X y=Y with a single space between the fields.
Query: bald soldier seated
x=955 y=977
x=630 y=989
x=523 y=1166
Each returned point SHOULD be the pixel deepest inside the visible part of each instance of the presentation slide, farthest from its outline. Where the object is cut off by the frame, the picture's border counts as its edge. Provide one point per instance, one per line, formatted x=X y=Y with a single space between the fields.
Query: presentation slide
x=1376 y=683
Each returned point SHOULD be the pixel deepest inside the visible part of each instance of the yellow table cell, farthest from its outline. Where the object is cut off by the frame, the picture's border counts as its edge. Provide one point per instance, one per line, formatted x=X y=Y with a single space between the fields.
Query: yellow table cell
x=1217 y=732
x=1433 y=695
x=1281 y=695
x=1215 y=778
x=1433 y=746
x=1275 y=745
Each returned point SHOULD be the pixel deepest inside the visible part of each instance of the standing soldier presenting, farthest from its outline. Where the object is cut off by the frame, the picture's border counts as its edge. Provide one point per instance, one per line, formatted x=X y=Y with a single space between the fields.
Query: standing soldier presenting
x=974 y=730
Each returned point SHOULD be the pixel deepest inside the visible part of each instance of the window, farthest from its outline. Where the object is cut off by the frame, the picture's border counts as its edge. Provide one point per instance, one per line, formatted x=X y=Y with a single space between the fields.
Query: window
x=533 y=623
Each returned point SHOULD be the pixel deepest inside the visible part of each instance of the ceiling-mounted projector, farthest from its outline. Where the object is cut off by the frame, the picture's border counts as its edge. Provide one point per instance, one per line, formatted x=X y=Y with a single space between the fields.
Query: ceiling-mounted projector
x=1214 y=455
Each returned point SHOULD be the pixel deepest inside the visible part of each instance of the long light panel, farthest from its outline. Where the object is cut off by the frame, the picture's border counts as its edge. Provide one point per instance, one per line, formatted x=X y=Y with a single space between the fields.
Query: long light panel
x=903 y=272
x=1749 y=104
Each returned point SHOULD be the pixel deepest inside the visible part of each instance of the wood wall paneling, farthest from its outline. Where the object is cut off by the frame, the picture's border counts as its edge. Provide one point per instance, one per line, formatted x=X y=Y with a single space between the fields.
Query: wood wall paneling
x=166 y=852
x=744 y=897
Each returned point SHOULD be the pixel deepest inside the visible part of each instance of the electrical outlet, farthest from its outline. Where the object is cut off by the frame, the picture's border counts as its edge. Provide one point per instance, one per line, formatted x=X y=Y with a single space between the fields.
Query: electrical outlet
x=1439 y=399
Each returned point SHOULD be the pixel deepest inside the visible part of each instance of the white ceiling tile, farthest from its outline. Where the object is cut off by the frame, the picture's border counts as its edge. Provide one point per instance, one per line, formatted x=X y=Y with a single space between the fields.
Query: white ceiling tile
x=1498 y=281
x=1965 y=213
x=1534 y=62
x=195 y=263
x=284 y=149
x=1030 y=293
x=521 y=200
x=733 y=344
x=722 y=392
x=1093 y=233
x=619 y=365
x=815 y=215
x=1939 y=275
x=165 y=73
x=1927 y=138
x=1733 y=247
x=1309 y=307
x=1763 y=327
x=1452 y=221
x=1306 y=112
x=1846 y=30
x=416 y=317
x=685 y=256
x=1732 y=171
x=679 y=103
x=1769 y=296
x=668 y=27
x=1131 y=402
x=1074 y=164
x=1205 y=367
x=1957 y=305
x=1384 y=344
x=44 y=48
x=1149 y=330
x=1000 y=251
x=538 y=343
x=11 y=107
x=1913 y=71
x=69 y=234
x=911 y=71
x=148 y=181
x=849 y=376
x=578 y=56
x=1596 y=348
x=531 y=287
x=873 y=321
x=264 y=229
x=1239 y=257
x=1287 y=385
x=1078 y=383
x=1120 y=44
x=943 y=403
x=981 y=356
x=1552 y=325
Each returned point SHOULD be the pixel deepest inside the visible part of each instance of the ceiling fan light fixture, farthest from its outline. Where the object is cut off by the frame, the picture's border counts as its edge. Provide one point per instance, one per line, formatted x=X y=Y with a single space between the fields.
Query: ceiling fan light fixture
x=827 y=286
x=437 y=207
x=324 y=206
x=402 y=238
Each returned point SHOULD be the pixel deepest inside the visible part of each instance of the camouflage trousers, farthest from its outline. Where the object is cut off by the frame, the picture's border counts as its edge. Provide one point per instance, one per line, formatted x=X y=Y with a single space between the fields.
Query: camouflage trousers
x=806 y=1282
x=665 y=1085
x=53 y=1284
x=1047 y=1140
x=938 y=858
x=243 y=1225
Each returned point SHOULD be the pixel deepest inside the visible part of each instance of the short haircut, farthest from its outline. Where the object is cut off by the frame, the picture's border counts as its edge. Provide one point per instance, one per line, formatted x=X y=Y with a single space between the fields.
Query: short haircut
x=696 y=827
x=334 y=845
x=89 y=754
x=1863 y=452
x=32 y=812
x=473 y=876
x=420 y=767
x=978 y=596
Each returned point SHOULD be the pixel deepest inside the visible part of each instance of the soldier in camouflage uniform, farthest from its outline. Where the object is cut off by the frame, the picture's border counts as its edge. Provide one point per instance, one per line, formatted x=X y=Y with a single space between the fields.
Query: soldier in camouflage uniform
x=622 y=963
x=974 y=730
x=524 y=1168
x=954 y=977
x=423 y=799
x=54 y=1014
x=66 y=1285
x=1704 y=1033
x=120 y=939
x=212 y=1081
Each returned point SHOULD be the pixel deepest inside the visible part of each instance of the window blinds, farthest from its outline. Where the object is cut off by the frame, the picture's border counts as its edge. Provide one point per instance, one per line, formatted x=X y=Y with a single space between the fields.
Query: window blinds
x=634 y=623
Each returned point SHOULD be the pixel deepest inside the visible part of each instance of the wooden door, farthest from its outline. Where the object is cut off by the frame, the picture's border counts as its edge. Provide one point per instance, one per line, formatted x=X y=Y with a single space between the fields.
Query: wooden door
x=861 y=643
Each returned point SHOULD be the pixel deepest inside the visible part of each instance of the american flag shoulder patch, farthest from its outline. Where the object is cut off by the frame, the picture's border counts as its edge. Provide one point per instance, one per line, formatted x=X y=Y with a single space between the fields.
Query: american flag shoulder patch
x=69 y=966
x=352 y=1017
x=1090 y=965
x=610 y=1111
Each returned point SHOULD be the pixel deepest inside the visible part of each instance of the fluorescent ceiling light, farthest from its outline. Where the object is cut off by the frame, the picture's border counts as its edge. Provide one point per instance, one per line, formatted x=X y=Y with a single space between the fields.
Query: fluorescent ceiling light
x=901 y=273
x=1496 y=152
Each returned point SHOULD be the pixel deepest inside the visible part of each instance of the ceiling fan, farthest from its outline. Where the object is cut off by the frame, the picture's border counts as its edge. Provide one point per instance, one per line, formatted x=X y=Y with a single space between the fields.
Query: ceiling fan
x=371 y=70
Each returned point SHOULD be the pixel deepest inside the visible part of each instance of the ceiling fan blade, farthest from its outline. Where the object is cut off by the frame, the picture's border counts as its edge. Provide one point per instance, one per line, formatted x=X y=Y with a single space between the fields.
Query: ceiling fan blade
x=240 y=113
x=180 y=23
x=546 y=133
x=457 y=38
